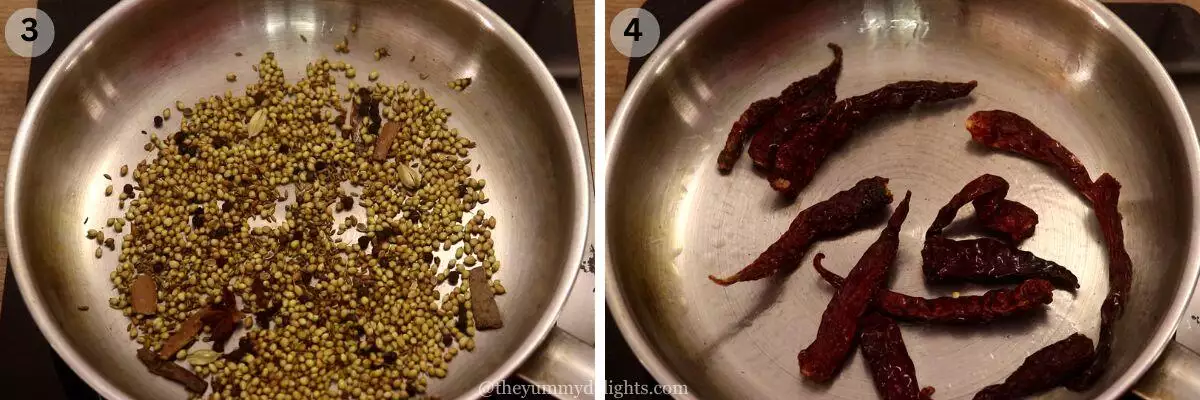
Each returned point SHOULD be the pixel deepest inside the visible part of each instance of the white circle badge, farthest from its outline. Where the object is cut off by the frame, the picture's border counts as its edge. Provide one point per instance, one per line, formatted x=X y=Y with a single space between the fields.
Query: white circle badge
x=29 y=32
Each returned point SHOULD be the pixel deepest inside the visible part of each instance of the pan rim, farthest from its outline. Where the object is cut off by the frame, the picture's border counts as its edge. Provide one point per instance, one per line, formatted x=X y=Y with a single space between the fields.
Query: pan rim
x=1164 y=333
x=504 y=32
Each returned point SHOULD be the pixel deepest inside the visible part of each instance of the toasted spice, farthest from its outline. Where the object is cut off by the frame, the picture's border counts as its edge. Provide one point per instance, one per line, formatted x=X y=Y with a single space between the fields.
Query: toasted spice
x=483 y=302
x=835 y=336
x=384 y=142
x=172 y=371
x=842 y=213
x=144 y=295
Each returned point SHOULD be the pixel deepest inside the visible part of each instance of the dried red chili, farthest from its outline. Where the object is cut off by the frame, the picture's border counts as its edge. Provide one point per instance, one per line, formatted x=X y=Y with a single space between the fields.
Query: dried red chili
x=981 y=309
x=1043 y=370
x=987 y=260
x=761 y=114
x=798 y=159
x=804 y=103
x=753 y=118
x=1003 y=130
x=1104 y=194
x=825 y=355
x=1010 y=132
x=891 y=367
x=842 y=213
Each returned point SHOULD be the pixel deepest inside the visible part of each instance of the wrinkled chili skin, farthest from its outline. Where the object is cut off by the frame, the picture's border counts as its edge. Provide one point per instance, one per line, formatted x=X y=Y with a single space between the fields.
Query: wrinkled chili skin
x=995 y=304
x=842 y=213
x=1010 y=132
x=1003 y=130
x=839 y=323
x=798 y=159
x=1105 y=194
x=750 y=121
x=891 y=368
x=804 y=103
x=987 y=260
x=1013 y=221
x=1043 y=370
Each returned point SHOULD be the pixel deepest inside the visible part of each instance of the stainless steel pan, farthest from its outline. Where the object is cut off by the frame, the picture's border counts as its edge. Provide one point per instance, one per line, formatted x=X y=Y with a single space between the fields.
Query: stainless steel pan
x=143 y=55
x=1069 y=65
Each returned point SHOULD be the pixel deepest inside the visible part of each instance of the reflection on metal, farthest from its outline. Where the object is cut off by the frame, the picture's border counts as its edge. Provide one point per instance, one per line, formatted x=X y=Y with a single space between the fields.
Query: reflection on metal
x=530 y=151
x=686 y=330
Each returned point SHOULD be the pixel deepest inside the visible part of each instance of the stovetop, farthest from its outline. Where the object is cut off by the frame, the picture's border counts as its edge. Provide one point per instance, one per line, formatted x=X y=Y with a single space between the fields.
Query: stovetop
x=1172 y=31
x=32 y=370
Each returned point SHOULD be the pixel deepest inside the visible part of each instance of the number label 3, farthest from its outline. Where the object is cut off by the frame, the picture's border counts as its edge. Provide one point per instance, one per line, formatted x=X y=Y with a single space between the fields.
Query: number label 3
x=29 y=32
x=634 y=32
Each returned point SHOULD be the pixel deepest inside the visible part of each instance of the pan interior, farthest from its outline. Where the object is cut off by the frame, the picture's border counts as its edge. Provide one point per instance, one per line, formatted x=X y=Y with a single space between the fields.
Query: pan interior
x=157 y=52
x=673 y=219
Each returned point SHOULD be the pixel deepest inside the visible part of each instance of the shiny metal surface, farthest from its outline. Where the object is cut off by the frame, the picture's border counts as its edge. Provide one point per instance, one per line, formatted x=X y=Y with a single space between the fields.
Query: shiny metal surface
x=1068 y=65
x=1173 y=376
x=563 y=360
x=143 y=55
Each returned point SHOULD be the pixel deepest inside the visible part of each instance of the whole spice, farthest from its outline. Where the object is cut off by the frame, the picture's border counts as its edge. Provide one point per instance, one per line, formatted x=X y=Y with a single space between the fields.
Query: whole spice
x=1007 y=131
x=743 y=129
x=842 y=213
x=460 y=84
x=172 y=371
x=311 y=305
x=384 y=142
x=835 y=336
x=995 y=304
x=891 y=368
x=1104 y=194
x=184 y=335
x=1003 y=130
x=258 y=121
x=202 y=357
x=381 y=52
x=798 y=159
x=409 y=177
x=483 y=303
x=801 y=106
x=985 y=260
x=1044 y=370
x=144 y=294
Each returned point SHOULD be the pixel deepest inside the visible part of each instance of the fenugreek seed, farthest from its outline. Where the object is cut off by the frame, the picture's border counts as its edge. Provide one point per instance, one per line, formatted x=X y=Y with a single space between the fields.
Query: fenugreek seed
x=232 y=77
x=373 y=76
